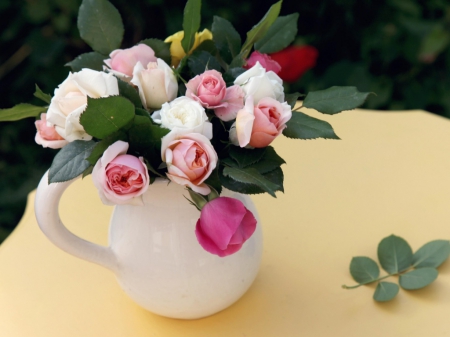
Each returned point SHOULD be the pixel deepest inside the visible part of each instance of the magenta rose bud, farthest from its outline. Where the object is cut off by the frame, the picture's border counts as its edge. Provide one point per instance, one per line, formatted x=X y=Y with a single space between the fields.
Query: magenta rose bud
x=265 y=60
x=224 y=225
x=119 y=177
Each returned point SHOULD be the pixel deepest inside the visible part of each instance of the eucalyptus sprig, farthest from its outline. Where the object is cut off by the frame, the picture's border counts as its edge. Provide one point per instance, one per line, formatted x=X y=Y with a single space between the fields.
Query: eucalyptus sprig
x=395 y=255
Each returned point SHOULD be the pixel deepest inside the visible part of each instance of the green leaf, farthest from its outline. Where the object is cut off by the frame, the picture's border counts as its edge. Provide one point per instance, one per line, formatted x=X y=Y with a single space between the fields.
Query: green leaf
x=71 y=161
x=269 y=162
x=335 y=99
x=191 y=23
x=227 y=39
x=418 y=278
x=432 y=254
x=100 y=25
x=251 y=176
x=302 y=126
x=364 y=269
x=245 y=157
x=142 y=112
x=128 y=91
x=280 y=34
x=258 y=31
x=102 y=145
x=214 y=180
x=198 y=199
x=92 y=60
x=161 y=49
x=394 y=254
x=275 y=176
x=207 y=45
x=200 y=61
x=104 y=116
x=435 y=42
x=20 y=111
x=291 y=99
x=87 y=172
x=238 y=61
x=385 y=291
x=231 y=74
x=44 y=97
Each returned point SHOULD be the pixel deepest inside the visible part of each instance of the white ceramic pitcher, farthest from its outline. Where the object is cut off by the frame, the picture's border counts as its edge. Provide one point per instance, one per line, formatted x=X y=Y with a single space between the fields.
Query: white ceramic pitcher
x=154 y=252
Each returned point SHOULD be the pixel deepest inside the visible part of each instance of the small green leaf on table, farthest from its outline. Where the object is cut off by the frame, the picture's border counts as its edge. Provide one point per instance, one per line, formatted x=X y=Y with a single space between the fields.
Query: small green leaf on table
x=92 y=60
x=104 y=116
x=385 y=291
x=70 y=161
x=21 y=111
x=251 y=176
x=335 y=99
x=432 y=254
x=280 y=34
x=364 y=269
x=100 y=25
x=42 y=96
x=395 y=254
x=161 y=49
x=302 y=126
x=418 y=278
x=191 y=23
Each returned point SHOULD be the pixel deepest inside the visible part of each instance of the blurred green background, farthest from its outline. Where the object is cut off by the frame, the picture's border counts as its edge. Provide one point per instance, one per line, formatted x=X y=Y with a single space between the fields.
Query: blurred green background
x=396 y=48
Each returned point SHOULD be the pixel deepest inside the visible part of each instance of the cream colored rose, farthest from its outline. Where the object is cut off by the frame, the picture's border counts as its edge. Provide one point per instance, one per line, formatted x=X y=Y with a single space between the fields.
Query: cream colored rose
x=70 y=100
x=156 y=82
x=259 y=83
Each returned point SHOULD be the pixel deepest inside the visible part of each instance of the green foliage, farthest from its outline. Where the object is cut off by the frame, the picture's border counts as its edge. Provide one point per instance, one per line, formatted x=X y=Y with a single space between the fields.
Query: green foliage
x=20 y=111
x=71 y=161
x=100 y=25
x=42 y=96
x=302 y=126
x=251 y=176
x=200 y=61
x=92 y=60
x=102 y=145
x=280 y=34
x=128 y=91
x=335 y=99
x=191 y=23
x=396 y=257
x=161 y=49
x=226 y=38
x=104 y=116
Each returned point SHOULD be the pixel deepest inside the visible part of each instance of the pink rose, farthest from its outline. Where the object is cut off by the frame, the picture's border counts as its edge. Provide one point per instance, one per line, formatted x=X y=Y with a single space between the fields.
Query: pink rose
x=119 y=177
x=122 y=61
x=209 y=89
x=190 y=159
x=265 y=60
x=46 y=134
x=224 y=225
x=259 y=125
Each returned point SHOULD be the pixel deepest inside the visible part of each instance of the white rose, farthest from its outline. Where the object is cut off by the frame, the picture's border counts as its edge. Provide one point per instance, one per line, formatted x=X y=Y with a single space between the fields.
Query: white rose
x=157 y=83
x=185 y=115
x=70 y=100
x=259 y=83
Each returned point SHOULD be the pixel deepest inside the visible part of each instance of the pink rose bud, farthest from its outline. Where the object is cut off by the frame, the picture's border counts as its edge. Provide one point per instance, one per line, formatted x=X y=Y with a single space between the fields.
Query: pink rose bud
x=265 y=60
x=119 y=177
x=122 y=61
x=190 y=159
x=46 y=134
x=224 y=225
x=259 y=125
x=209 y=89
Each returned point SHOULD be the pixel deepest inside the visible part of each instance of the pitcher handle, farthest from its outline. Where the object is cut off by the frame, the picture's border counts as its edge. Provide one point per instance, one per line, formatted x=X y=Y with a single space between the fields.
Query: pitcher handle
x=46 y=209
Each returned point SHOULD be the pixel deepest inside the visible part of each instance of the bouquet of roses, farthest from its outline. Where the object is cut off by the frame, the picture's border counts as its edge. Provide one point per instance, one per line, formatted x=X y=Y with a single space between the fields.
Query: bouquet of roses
x=196 y=109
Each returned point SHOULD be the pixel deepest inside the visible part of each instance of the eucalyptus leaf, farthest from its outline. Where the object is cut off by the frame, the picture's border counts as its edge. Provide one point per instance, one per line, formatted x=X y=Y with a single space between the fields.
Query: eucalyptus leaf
x=302 y=126
x=42 y=96
x=385 y=291
x=104 y=116
x=245 y=157
x=418 y=278
x=260 y=29
x=335 y=99
x=161 y=49
x=102 y=145
x=70 y=161
x=364 y=269
x=432 y=254
x=394 y=254
x=191 y=23
x=100 y=25
x=251 y=176
x=128 y=91
x=227 y=39
x=92 y=60
x=200 y=61
x=280 y=34
x=21 y=111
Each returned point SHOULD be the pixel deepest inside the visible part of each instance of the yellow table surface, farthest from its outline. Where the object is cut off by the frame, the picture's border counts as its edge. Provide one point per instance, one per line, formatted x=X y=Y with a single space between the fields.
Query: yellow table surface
x=390 y=174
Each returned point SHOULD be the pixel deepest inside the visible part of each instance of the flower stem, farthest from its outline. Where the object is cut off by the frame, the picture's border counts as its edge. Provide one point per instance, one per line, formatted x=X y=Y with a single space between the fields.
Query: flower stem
x=368 y=282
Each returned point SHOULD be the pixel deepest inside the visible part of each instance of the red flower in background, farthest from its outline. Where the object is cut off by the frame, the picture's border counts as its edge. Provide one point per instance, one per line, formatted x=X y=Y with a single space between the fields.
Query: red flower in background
x=295 y=61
